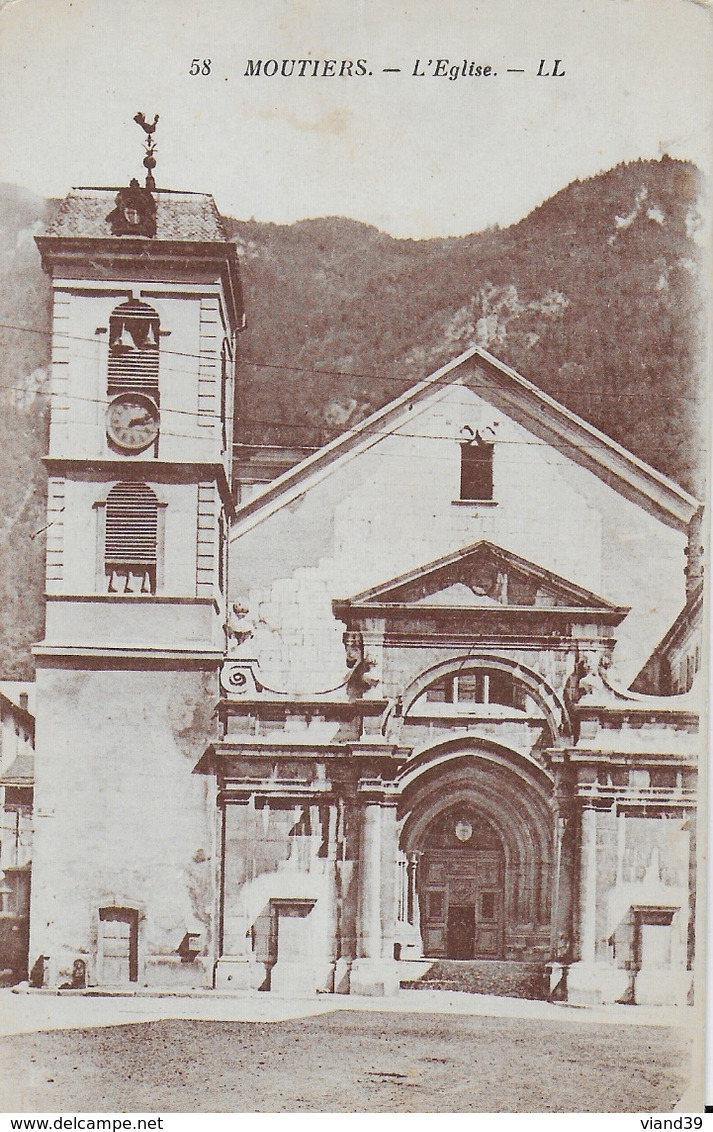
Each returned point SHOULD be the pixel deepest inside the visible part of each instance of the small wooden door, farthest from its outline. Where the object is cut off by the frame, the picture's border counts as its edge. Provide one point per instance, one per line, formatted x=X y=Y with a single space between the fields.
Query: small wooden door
x=118 y=945
x=461 y=931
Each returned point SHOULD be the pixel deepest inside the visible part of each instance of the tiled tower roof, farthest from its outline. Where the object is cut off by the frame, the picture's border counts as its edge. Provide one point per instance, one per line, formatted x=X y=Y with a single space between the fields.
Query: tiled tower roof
x=179 y=216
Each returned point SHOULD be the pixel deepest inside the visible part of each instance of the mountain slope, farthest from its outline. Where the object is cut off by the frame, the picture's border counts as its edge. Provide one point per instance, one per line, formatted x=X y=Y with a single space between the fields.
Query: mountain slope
x=596 y=296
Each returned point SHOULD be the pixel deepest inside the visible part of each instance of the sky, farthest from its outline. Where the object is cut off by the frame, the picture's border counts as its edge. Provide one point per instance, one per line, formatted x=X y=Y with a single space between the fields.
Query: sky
x=415 y=155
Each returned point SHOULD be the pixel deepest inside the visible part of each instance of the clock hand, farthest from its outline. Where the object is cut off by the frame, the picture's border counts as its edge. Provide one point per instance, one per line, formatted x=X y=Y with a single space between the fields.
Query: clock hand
x=145 y=419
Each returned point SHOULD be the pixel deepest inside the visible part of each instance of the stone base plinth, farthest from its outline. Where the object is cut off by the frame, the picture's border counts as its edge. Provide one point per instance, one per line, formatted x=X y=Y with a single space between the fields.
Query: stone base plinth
x=412 y=969
x=409 y=944
x=590 y=983
x=293 y=980
x=170 y=970
x=660 y=987
x=375 y=977
x=238 y=974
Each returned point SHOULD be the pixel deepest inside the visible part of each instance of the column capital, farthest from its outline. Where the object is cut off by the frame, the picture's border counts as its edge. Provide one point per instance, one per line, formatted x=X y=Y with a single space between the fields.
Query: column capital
x=375 y=792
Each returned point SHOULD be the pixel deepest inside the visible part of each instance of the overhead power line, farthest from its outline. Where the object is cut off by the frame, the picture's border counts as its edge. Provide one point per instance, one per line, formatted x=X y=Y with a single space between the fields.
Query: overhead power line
x=302 y=369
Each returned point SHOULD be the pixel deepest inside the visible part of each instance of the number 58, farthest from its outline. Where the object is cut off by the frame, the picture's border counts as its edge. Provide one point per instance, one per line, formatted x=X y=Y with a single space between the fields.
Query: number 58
x=200 y=67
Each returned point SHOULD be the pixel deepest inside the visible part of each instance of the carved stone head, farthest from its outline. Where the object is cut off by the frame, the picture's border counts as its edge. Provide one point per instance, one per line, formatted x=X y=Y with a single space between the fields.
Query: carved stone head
x=354 y=647
x=135 y=212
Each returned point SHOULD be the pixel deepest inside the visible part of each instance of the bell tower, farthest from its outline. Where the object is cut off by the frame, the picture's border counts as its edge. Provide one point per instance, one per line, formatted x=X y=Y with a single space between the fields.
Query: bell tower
x=146 y=309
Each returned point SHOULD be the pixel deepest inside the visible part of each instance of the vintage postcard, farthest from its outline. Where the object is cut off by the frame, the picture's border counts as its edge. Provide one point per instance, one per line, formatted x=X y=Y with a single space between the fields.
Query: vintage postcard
x=353 y=578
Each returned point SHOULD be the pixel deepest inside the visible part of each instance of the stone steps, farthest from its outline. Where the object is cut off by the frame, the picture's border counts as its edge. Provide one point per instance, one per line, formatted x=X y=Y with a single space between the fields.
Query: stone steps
x=504 y=978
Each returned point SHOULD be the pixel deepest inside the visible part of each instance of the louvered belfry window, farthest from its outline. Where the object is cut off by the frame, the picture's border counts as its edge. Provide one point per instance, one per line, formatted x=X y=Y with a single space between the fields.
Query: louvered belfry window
x=131 y=538
x=134 y=329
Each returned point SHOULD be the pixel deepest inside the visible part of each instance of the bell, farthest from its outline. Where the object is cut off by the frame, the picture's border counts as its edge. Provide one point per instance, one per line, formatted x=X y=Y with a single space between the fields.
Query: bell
x=133 y=583
x=126 y=340
x=117 y=583
x=151 y=337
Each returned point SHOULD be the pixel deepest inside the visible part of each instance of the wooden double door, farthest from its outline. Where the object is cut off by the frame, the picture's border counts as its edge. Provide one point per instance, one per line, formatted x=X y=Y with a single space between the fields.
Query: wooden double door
x=461 y=897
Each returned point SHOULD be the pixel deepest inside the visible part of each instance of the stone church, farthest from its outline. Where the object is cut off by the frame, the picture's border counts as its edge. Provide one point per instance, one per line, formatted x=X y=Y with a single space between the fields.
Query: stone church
x=367 y=719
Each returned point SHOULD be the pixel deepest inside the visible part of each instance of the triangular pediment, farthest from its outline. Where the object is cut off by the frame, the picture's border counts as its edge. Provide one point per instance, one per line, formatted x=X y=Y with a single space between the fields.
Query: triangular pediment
x=481 y=576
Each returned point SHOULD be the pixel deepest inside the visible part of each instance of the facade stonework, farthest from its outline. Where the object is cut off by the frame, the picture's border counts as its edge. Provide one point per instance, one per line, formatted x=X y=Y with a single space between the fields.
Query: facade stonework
x=361 y=728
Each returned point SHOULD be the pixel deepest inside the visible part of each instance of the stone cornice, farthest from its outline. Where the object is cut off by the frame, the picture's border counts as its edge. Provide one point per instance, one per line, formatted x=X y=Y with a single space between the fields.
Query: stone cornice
x=107 y=656
x=611 y=615
x=135 y=599
x=145 y=257
x=274 y=708
x=238 y=746
x=351 y=760
x=442 y=638
x=597 y=757
x=98 y=469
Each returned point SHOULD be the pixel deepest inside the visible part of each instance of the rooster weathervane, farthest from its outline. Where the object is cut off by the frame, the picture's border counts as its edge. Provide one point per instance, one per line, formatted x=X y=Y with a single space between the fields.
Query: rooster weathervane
x=149 y=159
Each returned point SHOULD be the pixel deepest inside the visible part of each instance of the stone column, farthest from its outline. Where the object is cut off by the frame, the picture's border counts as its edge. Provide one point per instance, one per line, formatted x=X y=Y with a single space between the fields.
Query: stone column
x=347 y=880
x=332 y=917
x=559 y=929
x=588 y=887
x=370 y=884
x=412 y=944
x=374 y=972
x=389 y=894
x=412 y=893
x=402 y=884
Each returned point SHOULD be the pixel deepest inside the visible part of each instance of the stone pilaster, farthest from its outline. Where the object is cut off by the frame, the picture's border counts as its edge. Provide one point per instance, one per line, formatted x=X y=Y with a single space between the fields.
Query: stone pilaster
x=588 y=887
x=236 y=968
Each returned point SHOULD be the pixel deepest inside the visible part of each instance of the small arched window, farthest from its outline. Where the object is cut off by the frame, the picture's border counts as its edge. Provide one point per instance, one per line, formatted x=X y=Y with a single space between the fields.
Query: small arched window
x=131 y=539
x=134 y=330
x=477 y=686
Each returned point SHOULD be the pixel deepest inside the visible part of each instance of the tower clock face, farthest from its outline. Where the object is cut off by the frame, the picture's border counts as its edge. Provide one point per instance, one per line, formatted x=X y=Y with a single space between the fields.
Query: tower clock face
x=132 y=422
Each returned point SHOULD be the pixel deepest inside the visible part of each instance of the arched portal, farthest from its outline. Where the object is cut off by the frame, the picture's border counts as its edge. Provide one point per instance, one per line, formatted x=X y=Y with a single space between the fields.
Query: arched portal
x=478 y=830
x=461 y=878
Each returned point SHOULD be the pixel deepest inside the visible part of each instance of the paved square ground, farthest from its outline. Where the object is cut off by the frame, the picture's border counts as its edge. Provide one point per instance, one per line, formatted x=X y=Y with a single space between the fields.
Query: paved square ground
x=347 y=1062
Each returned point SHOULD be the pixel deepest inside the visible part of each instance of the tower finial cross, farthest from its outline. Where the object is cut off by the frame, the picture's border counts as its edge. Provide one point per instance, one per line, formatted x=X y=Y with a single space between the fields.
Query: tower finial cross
x=149 y=159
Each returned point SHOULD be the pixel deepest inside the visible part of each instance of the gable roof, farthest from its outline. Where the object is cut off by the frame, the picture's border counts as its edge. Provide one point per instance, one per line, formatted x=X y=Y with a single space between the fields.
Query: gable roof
x=513 y=394
x=689 y=623
x=10 y=691
x=481 y=577
x=21 y=771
